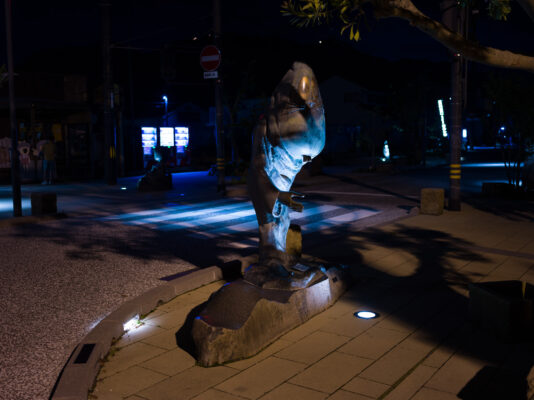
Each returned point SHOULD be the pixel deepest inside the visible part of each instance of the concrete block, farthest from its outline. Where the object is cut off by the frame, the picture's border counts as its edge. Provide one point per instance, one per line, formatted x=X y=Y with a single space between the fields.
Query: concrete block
x=43 y=203
x=432 y=201
x=196 y=279
x=154 y=297
x=505 y=307
x=79 y=373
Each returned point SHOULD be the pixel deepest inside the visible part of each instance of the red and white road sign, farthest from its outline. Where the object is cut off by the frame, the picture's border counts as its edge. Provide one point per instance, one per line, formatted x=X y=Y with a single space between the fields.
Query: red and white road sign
x=210 y=58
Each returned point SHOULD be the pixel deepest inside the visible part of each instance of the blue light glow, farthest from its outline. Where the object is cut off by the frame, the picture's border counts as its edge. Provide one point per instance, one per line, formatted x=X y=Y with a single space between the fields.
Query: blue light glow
x=503 y=128
x=464 y=133
x=165 y=99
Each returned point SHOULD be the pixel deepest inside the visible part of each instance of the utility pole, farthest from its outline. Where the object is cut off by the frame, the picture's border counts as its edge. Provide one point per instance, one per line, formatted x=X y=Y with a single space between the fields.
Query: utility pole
x=15 y=162
x=453 y=18
x=221 y=183
x=109 y=129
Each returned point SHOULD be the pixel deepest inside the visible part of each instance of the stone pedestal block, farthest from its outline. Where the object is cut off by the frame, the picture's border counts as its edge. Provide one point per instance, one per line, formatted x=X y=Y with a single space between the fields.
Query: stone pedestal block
x=503 y=307
x=44 y=203
x=432 y=201
x=240 y=319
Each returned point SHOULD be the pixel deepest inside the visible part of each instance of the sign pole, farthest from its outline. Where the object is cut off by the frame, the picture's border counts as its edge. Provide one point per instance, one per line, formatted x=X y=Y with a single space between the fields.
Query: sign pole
x=15 y=162
x=221 y=183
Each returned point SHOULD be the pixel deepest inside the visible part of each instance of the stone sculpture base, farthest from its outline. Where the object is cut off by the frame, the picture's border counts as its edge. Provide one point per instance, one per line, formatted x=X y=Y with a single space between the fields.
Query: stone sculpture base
x=242 y=318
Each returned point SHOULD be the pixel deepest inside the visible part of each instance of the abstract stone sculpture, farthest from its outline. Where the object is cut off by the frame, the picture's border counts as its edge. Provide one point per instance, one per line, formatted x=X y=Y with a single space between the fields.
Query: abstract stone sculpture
x=280 y=292
x=290 y=135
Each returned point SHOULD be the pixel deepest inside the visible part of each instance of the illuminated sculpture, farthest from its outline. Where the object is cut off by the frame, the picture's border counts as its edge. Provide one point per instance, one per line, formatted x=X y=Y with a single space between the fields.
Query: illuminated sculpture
x=278 y=293
x=291 y=134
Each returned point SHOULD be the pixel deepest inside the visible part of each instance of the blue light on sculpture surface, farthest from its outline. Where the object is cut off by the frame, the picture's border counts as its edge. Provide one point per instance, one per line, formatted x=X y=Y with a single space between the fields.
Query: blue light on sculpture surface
x=366 y=314
x=464 y=133
x=165 y=99
x=503 y=128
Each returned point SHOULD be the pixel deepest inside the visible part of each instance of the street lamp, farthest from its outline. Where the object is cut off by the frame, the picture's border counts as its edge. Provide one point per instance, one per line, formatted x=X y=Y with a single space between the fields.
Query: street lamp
x=165 y=101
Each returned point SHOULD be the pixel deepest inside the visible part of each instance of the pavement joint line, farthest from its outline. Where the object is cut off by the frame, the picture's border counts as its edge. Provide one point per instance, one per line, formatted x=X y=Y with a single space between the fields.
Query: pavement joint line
x=76 y=379
x=510 y=253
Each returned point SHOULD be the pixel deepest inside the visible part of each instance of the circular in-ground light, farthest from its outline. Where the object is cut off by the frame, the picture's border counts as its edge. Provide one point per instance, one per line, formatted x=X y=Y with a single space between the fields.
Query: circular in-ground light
x=366 y=314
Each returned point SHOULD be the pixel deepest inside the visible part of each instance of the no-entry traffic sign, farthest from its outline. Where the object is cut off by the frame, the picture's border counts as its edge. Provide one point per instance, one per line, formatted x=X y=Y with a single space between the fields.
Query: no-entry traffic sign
x=210 y=58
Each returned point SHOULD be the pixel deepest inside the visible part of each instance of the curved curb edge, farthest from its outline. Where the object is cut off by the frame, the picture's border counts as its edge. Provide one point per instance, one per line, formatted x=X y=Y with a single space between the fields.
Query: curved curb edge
x=81 y=369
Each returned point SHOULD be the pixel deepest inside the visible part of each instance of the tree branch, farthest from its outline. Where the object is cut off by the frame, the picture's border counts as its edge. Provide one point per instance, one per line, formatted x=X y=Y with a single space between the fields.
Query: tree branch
x=528 y=6
x=406 y=10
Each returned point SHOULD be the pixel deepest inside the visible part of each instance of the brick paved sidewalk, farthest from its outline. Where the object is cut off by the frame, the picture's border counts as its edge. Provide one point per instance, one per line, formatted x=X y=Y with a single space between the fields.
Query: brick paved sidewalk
x=414 y=273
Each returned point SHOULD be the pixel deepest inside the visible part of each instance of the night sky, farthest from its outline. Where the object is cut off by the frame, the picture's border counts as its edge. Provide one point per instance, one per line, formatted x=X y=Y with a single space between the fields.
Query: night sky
x=41 y=25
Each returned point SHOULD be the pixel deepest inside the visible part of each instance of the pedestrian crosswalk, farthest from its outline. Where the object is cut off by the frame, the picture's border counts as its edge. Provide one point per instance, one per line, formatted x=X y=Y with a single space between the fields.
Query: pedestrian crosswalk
x=234 y=218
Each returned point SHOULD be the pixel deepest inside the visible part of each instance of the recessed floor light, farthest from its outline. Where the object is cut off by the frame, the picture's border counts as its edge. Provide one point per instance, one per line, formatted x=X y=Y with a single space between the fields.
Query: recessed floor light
x=366 y=314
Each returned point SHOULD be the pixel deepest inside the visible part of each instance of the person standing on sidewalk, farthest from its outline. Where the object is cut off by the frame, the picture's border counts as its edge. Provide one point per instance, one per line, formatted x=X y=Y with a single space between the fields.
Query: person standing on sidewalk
x=49 y=162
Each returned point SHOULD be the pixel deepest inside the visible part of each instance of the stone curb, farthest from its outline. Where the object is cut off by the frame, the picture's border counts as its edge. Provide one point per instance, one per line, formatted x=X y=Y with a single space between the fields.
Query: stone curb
x=80 y=371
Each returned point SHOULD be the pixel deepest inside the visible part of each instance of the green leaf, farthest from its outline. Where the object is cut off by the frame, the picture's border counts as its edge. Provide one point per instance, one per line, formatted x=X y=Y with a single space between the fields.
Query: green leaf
x=351 y=32
x=357 y=35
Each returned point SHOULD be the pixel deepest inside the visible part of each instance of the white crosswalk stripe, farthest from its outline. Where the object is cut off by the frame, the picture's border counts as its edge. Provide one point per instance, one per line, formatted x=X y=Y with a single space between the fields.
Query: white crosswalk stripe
x=230 y=219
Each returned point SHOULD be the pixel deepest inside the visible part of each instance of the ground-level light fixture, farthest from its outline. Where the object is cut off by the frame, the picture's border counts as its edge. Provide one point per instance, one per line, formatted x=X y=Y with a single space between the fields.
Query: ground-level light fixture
x=364 y=314
x=131 y=324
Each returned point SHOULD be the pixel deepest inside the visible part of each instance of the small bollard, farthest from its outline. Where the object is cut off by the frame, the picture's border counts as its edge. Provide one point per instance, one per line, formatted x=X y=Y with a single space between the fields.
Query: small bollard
x=43 y=203
x=432 y=201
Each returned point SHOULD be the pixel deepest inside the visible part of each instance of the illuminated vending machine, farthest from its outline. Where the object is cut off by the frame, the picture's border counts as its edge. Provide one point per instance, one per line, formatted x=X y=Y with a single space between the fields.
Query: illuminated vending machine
x=181 y=141
x=166 y=139
x=149 y=139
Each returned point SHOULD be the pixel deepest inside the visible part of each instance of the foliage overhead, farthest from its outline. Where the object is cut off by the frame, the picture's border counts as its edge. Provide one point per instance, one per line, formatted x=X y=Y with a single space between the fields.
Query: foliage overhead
x=350 y=13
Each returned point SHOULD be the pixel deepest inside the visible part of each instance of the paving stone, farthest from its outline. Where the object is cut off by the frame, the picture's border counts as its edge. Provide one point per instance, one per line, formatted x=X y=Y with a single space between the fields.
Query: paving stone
x=512 y=268
x=214 y=394
x=439 y=357
x=170 y=320
x=165 y=340
x=127 y=382
x=310 y=326
x=344 y=395
x=129 y=356
x=392 y=366
x=366 y=387
x=373 y=343
x=262 y=355
x=349 y=325
x=430 y=394
x=313 y=347
x=188 y=383
x=455 y=374
x=138 y=334
x=261 y=378
x=293 y=392
x=332 y=372
x=171 y=362
x=412 y=383
x=210 y=288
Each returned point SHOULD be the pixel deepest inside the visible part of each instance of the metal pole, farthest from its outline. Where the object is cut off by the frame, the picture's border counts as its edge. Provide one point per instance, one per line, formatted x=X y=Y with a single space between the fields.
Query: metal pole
x=15 y=162
x=221 y=183
x=109 y=131
x=453 y=19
